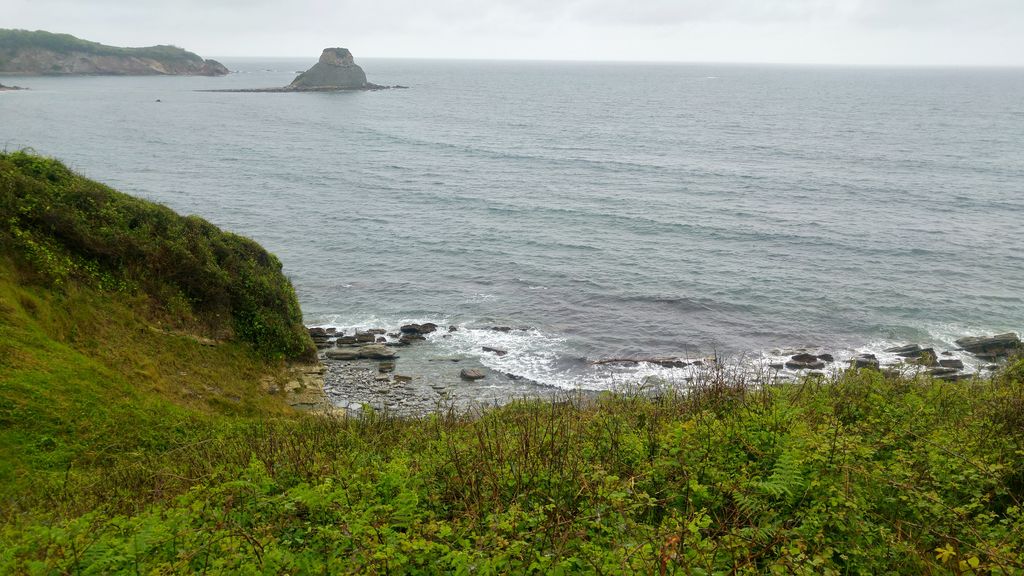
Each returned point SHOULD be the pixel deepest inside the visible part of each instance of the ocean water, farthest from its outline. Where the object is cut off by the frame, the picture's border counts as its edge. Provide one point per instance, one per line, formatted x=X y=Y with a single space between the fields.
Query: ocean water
x=612 y=210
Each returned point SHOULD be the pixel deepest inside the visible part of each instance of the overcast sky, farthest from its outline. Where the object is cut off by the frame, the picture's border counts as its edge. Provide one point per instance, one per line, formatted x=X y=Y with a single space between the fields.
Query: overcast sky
x=898 y=32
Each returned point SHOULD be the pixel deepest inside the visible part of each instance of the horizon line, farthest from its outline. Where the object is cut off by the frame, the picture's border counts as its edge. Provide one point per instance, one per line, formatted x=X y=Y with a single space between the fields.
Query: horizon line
x=654 y=62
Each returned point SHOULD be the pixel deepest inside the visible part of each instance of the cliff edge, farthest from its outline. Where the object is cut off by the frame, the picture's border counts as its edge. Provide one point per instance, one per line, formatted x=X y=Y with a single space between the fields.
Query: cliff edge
x=46 y=53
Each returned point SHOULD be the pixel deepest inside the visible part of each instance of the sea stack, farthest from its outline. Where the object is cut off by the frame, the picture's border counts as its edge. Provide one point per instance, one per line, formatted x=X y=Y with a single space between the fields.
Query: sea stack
x=336 y=70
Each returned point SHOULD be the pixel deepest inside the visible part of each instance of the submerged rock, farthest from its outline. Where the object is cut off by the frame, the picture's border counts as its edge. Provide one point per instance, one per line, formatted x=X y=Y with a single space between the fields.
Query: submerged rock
x=952 y=363
x=908 y=351
x=471 y=374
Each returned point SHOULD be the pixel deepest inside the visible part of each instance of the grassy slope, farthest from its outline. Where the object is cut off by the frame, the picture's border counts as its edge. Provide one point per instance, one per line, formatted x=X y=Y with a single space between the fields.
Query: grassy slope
x=105 y=327
x=83 y=376
x=178 y=465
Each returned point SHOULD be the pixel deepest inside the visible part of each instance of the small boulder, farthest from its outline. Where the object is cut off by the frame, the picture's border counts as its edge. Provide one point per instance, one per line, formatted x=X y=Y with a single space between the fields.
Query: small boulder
x=418 y=328
x=471 y=374
x=925 y=357
x=400 y=378
x=804 y=358
x=376 y=352
x=905 y=351
x=407 y=339
x=497 y=351
x=952 y=363
x=826 y=358
x=865 y=361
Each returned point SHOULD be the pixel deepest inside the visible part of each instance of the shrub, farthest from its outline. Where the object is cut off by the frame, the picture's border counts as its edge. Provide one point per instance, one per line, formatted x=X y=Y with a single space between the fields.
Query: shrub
x=65 y=228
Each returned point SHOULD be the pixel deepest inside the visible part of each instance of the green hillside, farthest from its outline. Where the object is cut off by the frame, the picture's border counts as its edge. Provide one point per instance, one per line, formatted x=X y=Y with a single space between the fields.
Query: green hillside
x=12 y=41
x=119 y=317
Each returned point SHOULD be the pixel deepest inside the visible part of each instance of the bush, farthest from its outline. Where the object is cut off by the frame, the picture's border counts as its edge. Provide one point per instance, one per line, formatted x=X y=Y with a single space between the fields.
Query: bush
x=64 y=228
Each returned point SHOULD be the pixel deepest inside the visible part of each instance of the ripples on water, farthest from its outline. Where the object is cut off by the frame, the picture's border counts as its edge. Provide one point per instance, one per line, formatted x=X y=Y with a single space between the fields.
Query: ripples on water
x=614 y=209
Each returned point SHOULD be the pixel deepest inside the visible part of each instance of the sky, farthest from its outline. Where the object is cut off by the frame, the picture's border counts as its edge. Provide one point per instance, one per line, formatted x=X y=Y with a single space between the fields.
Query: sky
x=856 y=32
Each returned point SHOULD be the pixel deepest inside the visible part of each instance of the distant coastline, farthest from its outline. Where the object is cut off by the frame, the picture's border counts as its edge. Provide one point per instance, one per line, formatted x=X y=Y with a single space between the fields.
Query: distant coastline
x=42 y=53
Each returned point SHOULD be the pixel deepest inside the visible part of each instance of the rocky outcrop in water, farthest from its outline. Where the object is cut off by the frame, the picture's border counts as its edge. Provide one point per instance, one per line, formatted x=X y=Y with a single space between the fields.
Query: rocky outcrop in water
x=336 y=70
x=10 y=88
x=991 y=346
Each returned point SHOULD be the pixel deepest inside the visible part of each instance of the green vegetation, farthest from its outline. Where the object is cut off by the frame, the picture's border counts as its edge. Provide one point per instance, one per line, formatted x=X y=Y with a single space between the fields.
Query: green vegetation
x=864 y=475
x=109 y=307
x=132 y=443
x=64 y=230
x=11 y=41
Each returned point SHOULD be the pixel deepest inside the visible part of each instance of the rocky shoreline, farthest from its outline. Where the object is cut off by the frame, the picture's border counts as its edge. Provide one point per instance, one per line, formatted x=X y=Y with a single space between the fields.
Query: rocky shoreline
x=361 y=367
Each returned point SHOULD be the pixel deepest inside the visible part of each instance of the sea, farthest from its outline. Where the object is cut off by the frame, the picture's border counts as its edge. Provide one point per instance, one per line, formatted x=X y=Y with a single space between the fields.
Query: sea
x=600 y=210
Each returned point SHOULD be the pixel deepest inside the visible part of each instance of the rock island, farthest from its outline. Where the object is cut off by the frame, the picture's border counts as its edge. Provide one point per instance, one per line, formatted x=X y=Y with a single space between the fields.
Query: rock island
x=336 y=71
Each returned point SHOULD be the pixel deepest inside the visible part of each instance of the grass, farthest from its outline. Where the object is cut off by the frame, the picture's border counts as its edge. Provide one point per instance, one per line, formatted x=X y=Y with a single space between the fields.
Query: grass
x=133 y=439
x=114 y=337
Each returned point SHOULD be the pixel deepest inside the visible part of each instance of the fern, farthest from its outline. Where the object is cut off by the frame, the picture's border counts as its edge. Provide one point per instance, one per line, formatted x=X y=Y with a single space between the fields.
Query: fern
x=786 y=480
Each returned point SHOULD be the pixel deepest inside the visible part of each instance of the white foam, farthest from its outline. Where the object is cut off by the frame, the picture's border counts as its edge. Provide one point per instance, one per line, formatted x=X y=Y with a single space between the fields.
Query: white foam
x=546 y=358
